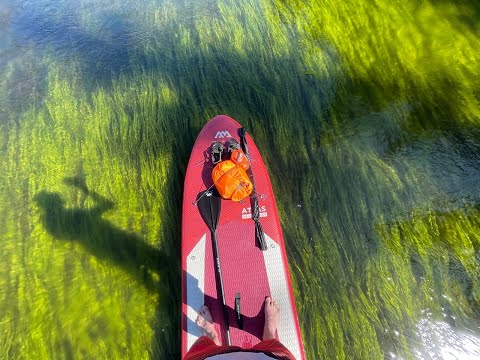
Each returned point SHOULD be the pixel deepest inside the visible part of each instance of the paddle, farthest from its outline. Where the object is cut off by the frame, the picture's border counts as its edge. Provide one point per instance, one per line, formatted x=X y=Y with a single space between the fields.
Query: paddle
x=259 y=235
x=209 y=207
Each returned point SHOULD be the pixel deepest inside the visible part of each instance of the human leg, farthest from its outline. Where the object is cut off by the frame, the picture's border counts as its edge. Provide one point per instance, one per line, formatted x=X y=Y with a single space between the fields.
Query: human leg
x=269 y=344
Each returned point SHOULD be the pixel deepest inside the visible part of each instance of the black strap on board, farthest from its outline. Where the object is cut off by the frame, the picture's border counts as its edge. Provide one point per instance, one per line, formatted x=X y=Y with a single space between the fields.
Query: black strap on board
x=238 y=311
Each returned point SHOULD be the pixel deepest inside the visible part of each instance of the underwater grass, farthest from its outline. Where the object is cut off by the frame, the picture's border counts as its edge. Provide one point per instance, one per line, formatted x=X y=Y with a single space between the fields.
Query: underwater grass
x=365 y=113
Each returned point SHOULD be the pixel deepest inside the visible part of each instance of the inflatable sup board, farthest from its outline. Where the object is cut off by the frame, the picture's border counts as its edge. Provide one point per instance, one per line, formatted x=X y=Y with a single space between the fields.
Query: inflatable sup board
x=249 y=273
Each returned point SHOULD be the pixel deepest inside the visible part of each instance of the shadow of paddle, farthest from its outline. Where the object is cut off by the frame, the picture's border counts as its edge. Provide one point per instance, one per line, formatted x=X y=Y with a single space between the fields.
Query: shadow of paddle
x=100 y=237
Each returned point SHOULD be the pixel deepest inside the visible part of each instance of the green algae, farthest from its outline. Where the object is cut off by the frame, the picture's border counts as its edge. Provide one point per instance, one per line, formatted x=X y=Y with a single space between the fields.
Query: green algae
x=365 y=113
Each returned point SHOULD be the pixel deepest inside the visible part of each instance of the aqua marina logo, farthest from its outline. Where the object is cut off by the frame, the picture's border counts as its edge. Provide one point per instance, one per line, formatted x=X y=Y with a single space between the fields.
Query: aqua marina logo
x=222 y=134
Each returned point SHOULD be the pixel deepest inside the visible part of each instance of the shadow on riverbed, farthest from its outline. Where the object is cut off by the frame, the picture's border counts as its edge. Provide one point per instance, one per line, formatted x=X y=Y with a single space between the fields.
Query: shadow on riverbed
x=105 y=241
x=152 y=267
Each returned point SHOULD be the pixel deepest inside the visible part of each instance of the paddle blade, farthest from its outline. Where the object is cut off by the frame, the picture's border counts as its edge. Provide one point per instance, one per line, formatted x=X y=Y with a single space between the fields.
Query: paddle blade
x=209 y=206
x=260 y=236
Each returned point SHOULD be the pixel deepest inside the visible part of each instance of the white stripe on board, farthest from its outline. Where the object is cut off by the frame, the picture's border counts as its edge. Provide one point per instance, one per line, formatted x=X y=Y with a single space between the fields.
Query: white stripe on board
x=195 y=288
x=278 y=282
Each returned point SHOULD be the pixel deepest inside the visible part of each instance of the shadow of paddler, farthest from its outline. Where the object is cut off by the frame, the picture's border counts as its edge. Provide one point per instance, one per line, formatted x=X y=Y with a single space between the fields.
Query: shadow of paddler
x=99 y=236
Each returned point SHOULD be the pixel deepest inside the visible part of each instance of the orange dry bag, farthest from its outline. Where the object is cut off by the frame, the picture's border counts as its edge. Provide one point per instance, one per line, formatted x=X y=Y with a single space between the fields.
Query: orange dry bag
x=239 y=158
x=231 y=181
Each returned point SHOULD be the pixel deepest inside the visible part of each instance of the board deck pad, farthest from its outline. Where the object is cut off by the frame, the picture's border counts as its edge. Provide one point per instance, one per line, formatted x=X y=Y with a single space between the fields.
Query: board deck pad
x=246 y=269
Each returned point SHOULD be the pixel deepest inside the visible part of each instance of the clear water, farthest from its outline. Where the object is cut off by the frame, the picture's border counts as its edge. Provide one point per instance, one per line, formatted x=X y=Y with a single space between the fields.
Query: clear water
x=366 y=113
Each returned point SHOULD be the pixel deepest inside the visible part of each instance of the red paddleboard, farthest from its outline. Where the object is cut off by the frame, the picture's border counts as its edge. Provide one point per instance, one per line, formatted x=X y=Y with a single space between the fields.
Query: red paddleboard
x=246 y=269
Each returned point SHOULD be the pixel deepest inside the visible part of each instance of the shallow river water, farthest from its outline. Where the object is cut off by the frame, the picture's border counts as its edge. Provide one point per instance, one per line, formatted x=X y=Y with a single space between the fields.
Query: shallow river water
x=366 y=113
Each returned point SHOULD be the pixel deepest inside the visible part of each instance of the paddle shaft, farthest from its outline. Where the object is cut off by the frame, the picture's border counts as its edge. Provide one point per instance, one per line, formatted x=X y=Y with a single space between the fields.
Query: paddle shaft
x=253 y=200
x=220 y=280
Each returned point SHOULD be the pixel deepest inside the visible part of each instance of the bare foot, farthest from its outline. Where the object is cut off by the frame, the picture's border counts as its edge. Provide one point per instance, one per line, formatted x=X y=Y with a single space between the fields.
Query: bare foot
x=272 y=314
x=205 y=322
